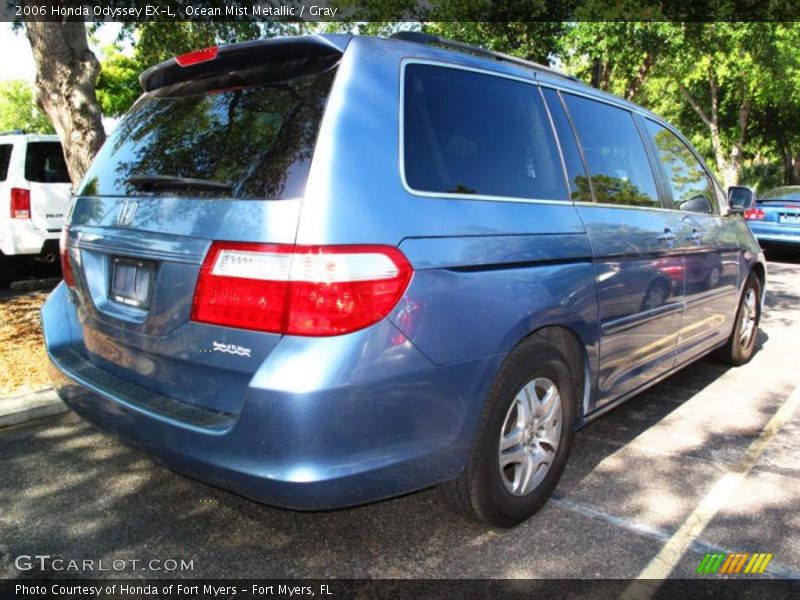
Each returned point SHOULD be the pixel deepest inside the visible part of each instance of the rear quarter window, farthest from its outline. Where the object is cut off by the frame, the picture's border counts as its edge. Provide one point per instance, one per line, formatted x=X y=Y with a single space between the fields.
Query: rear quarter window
x=471 y=133
x=44 y=163
x=5 y=158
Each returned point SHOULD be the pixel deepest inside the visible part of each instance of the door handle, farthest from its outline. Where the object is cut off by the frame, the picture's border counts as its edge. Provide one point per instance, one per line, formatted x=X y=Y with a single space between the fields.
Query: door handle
x=695 y=237
x=667 y=238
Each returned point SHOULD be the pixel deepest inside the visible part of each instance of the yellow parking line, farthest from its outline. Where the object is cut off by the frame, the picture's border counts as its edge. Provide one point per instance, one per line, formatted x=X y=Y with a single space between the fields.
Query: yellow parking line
x=662 y=564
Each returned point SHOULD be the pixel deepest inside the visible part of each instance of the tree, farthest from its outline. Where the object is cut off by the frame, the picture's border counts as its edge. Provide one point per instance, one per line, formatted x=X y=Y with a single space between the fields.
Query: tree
x=535 y=41
x=66 y=73
x=616 y=57
x=18 y=109
x=118 y=84
x=776 y=118
x=721 y=75
x=731 y=87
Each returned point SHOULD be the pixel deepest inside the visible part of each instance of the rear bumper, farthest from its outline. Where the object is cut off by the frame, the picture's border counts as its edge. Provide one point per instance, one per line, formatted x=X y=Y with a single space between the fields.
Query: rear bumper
x=19 y=236
x=307 y=437
x=773 y=233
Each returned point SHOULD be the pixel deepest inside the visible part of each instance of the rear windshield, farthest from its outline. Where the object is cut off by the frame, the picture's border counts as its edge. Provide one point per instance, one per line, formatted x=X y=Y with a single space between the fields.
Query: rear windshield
x=5 y=157
x=44 y=163
x=244 y=142
x=791 y=194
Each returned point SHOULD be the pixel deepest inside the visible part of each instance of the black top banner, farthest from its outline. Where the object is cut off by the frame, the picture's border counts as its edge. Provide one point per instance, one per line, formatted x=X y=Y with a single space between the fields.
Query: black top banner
x=399 y=10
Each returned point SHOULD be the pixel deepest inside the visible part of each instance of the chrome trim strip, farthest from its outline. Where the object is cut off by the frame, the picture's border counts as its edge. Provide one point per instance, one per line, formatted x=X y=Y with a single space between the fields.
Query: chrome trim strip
x=640 y=318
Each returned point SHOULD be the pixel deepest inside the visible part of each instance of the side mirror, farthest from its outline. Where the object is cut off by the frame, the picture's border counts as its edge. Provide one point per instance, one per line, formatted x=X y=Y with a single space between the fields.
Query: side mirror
x=698 y=204
x=740 y=198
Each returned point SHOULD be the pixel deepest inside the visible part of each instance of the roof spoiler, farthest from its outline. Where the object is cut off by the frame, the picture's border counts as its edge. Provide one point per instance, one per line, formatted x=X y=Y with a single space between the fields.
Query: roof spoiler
x=241 y=57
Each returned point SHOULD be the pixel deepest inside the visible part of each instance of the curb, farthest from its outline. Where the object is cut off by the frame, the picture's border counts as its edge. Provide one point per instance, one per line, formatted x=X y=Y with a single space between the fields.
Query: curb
x=34 y=285
x=22 y=409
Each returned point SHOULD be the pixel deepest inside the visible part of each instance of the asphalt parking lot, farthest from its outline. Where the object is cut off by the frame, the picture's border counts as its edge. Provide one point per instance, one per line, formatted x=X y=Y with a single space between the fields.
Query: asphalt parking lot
x=707 y=461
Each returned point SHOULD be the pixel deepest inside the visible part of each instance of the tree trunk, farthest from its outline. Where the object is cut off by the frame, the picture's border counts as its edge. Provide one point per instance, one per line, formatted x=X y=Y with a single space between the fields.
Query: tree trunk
x=644 y=70
x=66 y=73
x=728 y=163
x=796 y=170
x=605 y=79
x=597 y=72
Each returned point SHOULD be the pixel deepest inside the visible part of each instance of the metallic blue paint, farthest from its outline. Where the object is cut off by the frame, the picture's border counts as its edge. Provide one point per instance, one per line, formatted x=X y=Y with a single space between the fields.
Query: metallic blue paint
x=317 y=423
x=773 y=230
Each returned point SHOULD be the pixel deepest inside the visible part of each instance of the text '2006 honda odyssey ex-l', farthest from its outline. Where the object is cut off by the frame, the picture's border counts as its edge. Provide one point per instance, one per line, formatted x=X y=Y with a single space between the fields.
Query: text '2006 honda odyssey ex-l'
x=326 y=270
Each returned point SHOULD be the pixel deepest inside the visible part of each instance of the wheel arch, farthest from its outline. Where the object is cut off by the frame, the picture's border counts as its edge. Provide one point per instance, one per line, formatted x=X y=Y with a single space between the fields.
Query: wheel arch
x=570 y=344
x=760 y=271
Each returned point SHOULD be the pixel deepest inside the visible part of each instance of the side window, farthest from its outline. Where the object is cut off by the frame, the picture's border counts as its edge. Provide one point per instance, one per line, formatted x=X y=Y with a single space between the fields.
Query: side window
x=614 y=152
x=692 y=189
x=578 y=181
x=472 y=133
x=5 y=158
x=44 y=163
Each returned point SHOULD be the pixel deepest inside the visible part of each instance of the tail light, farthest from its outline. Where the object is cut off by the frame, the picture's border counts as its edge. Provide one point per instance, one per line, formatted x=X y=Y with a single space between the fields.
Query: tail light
x=66 y=266
x=299 y=290
x=754 y=214
x=20 y=203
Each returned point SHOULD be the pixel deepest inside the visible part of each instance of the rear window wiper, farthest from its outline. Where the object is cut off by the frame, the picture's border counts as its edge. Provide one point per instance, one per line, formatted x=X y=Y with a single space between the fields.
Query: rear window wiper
x=161 y=182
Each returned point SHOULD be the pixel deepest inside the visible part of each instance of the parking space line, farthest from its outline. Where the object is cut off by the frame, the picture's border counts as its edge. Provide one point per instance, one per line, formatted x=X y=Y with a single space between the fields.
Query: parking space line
x=665 y=561
x=699 y=546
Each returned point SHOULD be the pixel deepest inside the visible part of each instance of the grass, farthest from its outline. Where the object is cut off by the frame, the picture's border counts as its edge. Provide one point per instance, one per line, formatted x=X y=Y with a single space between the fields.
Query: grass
x=23 y=361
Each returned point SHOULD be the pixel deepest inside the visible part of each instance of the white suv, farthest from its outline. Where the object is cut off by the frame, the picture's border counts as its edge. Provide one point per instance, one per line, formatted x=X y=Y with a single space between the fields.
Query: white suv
x=34 y=198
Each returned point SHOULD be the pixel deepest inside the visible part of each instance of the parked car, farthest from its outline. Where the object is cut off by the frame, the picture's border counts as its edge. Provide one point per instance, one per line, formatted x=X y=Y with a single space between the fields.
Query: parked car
x=775 y=217
x=34 y=197
x=327 y=270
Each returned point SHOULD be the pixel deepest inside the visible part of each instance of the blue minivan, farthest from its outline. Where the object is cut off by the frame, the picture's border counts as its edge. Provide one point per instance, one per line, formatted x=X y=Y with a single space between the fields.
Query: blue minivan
x=326 y=270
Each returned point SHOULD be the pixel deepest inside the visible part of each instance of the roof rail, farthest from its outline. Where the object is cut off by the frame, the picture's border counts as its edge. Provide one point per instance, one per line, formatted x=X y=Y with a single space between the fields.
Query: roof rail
x=13 y=132
x=435 y=40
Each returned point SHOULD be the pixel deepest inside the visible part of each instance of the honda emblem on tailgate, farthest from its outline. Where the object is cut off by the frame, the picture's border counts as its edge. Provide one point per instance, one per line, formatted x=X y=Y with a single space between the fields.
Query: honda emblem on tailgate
x=127 y=213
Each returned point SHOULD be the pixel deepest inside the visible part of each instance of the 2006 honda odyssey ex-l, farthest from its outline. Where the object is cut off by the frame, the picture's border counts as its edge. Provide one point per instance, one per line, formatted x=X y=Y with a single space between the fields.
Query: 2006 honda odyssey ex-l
x=326 y=270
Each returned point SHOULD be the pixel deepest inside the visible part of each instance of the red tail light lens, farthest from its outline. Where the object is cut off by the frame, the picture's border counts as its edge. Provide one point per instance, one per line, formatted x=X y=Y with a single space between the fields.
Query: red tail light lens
x=66 y=266
x=339 y=289
x=754 y=214
x=20 y=203
x=299 y=290
x=197 y=56
x=243 y=285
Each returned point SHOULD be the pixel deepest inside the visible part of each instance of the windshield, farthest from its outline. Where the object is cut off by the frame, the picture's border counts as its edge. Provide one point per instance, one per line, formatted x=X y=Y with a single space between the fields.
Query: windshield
x=245 y=142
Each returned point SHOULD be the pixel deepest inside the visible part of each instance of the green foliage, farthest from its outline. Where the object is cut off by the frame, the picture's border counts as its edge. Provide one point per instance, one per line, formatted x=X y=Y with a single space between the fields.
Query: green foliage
x=732 y=88
x=118 y=83
x=18 y=110
x=536 y=41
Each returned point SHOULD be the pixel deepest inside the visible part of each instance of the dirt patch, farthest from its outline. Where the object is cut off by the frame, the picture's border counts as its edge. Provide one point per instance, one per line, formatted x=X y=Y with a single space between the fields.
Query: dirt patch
x=23 y=360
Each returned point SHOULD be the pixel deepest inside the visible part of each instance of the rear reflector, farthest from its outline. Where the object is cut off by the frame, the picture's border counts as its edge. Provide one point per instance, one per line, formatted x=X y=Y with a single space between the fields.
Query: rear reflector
x=66 y=266
x=197 y=56
x=299 y=290
x=754 y=214
x=20 y=203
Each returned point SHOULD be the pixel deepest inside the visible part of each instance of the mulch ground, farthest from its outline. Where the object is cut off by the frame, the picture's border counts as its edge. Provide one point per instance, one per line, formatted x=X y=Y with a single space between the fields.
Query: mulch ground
x=23 y=360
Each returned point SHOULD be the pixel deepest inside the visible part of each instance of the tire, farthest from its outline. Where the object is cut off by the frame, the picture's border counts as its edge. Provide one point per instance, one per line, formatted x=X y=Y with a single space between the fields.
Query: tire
x=741 y=345
x=497 y=496
x=7 y=271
